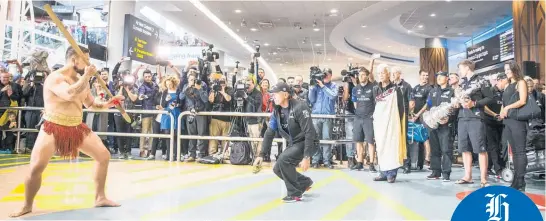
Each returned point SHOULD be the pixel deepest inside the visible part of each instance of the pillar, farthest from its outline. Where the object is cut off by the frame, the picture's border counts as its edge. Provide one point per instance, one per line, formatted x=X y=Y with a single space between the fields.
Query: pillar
x=529 y=31
x=116 y=27
x=433 y=58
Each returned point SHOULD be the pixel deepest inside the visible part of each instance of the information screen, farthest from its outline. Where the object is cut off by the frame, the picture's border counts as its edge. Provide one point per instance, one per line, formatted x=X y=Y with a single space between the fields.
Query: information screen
x=141 y=40
x=494 y=50
x=507 y=45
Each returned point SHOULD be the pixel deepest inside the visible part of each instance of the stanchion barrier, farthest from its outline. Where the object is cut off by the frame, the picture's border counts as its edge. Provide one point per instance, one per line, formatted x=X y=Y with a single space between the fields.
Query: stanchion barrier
x=19 y=130
x=241 y=114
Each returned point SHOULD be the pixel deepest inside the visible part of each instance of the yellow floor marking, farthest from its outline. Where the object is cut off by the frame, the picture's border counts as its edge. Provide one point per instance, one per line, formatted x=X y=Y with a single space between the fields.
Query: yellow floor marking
x=345 y=208
x=179 y=173
x=261 y=209
x=14 y=158
x=396 y=206
x=190 y=185
x=26 y=162
x=206 y=200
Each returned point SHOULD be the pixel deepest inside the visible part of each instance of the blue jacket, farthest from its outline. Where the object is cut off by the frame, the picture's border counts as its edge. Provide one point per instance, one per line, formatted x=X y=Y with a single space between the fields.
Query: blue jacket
x=323 y=99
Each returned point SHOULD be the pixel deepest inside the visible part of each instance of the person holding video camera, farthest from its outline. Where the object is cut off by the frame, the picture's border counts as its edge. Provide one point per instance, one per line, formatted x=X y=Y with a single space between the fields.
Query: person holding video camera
x=322 y=97
x=253 y=104
x=194 y=96
x=146 y=93
x=33 y=93
x=127 y=88
x=220 y=99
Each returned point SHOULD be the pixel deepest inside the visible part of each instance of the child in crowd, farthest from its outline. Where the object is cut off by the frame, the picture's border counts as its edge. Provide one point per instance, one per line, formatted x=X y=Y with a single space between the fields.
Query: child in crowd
x=8 y=141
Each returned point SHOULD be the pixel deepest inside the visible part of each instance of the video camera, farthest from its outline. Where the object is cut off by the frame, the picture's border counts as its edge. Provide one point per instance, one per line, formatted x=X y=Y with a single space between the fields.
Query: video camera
x=316 y=74
x=347 y=74
x=210 y=55
x=36 y=77
x=240 y=93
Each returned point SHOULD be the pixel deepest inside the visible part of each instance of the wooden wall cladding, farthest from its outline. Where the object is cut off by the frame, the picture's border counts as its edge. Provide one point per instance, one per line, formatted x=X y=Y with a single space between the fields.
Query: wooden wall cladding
x=433 y=60
x=529 y=19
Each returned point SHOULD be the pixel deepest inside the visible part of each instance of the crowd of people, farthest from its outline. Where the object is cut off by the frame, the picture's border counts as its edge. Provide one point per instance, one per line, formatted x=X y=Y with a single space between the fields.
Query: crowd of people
x=479 y=124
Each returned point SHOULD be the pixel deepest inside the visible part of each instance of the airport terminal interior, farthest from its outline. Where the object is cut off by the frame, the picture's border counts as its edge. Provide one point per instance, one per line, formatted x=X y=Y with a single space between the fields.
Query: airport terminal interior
x=271 y=110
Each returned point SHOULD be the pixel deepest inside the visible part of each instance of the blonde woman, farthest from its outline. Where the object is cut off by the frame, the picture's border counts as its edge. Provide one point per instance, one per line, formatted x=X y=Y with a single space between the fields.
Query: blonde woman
x=168 y=101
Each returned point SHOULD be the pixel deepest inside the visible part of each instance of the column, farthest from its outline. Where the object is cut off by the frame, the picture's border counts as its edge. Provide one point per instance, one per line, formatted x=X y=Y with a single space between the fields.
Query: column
x=116 y=27
x=529 y=30
x=433 y=58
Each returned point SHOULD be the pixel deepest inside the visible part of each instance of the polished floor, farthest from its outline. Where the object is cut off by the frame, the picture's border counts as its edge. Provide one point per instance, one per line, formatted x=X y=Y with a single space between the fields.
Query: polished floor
x=159 y=190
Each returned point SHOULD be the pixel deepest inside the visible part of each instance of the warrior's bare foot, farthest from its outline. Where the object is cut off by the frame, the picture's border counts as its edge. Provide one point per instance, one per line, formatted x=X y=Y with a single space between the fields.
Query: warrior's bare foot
x=106 y=203
x=23 y=211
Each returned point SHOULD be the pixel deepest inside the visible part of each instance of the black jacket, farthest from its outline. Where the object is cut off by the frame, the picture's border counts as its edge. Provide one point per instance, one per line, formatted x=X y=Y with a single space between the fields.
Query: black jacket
x=482 y=96
x=300 y=127
x=405 y=89
x=437 y=96
x=495 y=105
x=253 y=104
x=34 y=96
x=17 y=95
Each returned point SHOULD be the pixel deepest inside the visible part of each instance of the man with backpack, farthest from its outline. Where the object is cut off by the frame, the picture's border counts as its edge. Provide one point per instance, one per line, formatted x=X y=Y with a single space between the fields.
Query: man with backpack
x=292 y=120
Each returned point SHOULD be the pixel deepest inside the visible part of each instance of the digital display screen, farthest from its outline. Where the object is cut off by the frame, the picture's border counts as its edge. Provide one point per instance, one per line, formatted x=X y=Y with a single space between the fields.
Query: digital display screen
x=494 y=50
x=141 y=40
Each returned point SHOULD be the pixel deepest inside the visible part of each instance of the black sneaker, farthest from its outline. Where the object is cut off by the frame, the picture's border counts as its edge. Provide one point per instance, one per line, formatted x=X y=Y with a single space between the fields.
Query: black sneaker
x=357 y=166
x=433 y=176
x=291 y=199
x=445 y=178
x=372 y=168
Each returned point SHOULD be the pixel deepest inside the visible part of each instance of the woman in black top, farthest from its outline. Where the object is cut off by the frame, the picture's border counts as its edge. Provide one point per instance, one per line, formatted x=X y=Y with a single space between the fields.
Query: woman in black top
x=514 y=97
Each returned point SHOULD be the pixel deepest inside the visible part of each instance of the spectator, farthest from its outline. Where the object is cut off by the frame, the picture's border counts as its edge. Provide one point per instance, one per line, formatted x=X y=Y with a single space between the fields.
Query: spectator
x=220 y=99
x=146 y=93
x=253 y=104
x=194 y=96
x=129 y=91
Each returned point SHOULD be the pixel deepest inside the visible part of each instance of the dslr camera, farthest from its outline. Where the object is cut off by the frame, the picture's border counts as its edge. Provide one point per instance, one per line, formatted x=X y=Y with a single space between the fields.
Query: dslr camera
x=316 y=74
x=36 y=77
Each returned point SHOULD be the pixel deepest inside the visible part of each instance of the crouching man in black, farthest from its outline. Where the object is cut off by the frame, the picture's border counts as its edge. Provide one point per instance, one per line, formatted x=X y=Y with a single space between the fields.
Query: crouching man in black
x=292 y=120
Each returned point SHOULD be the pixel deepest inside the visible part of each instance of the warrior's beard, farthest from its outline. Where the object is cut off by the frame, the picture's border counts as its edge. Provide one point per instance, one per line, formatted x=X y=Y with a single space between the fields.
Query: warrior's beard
x=79 y=71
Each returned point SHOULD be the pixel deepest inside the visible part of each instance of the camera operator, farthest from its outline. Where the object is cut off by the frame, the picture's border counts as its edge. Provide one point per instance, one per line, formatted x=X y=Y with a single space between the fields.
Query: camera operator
x=33 y=93
x=322 y=97
x=194 y=96
x=299 y=92
x=253 y=104
x=146 y=93
x=349 y=85
x=291 y=119
x=127 y=88
x=220 y=99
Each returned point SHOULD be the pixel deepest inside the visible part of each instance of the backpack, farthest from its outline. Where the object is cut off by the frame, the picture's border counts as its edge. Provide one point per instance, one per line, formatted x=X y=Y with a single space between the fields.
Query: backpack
x=240 y=153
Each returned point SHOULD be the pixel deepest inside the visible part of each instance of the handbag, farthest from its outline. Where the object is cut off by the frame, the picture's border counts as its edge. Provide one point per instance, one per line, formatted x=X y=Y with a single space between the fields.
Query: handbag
x=528 y=111
x=417 y=132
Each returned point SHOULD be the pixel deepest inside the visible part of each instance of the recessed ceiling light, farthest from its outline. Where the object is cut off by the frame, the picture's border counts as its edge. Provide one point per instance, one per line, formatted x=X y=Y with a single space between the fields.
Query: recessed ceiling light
x=350 y=59
x=329 y=59
x=367 y=38
x=460 y=33
x=286 y=62
x=238 y=11
x=409 y=31
x=333 y=11
x=432 y=15
x=448 y=0
x=266 y=44
x=420 y=26
x=316 y=29
x=389 y=46
x=280 y=64
x=363 y=26
x=274 y=53
x=441 y=36
x=318 y=45
x=253 y=29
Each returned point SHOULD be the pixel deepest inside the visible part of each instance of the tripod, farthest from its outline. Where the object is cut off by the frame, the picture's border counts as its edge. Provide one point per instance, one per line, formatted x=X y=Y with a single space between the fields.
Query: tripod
x=338 y=129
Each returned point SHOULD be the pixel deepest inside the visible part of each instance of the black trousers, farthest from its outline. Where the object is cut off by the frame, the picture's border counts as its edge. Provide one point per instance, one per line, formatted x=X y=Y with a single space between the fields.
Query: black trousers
x=32 y=119
x=158 y=143
x=441 y=150
x=197 y=127
x=123 y=127
x=285 y=168
x=516 y=133
x=493 y=137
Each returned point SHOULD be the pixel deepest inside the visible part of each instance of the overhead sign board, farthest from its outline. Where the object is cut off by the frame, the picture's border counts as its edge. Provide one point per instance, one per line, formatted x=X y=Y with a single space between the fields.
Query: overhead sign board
x=494 y=50
x=141 y=40
x=181 y=55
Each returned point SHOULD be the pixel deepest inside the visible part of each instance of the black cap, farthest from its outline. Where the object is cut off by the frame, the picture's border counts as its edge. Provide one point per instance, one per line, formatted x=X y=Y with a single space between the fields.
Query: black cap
x=501 y=76
x=442 y=73
x=281 y=86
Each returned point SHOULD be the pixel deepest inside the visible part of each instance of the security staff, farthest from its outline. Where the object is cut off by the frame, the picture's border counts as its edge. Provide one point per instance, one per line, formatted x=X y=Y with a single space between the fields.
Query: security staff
x=362 y=96
x=292 y=120
x=493 y=125
x=441 y=143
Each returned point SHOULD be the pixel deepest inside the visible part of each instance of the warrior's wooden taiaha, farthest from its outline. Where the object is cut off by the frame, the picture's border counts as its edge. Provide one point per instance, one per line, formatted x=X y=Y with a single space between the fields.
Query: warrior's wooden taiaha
x=76 y=47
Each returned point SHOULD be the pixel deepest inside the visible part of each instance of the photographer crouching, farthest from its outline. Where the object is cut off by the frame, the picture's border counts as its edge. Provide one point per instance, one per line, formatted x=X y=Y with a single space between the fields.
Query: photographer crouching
x=292 y=120
x=220 y=99
x=252 y=104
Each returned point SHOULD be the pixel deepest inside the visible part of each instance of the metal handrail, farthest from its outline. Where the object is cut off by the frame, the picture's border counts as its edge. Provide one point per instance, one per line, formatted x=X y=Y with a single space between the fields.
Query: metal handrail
x=170 y=136
x=242 y=114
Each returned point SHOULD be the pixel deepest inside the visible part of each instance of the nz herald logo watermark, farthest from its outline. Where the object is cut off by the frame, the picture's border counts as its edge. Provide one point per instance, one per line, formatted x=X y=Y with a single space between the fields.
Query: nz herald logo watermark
x=496 y=203
x=497 y=207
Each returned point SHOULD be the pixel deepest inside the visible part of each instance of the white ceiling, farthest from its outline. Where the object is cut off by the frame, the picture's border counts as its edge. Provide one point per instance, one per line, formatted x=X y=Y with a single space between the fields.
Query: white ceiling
x=386 y=23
